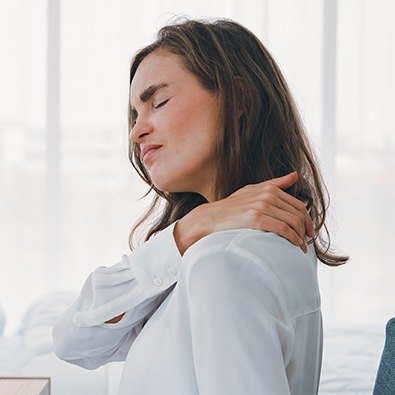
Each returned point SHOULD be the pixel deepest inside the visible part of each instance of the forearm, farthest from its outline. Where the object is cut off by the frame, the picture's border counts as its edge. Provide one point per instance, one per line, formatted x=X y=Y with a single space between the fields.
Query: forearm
x=186 y=232
x=137 y=285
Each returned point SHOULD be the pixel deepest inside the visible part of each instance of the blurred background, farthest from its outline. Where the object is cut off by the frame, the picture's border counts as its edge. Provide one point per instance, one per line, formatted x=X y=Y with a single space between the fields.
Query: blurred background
x=68 y=195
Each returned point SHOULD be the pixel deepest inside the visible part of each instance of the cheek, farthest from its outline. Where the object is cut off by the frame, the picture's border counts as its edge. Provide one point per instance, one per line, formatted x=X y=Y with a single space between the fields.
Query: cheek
x=191 y=149
x=189 y=131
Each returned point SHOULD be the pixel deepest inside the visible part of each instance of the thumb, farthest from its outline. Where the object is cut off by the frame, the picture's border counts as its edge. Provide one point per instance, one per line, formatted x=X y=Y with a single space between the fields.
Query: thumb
x=284 y=182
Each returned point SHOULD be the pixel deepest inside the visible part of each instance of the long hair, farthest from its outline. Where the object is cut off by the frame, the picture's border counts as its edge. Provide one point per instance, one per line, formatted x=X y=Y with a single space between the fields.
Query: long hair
x=262 y=135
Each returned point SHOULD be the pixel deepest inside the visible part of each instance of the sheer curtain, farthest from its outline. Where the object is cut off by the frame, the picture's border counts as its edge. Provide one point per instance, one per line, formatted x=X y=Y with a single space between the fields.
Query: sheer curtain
x=68 y=195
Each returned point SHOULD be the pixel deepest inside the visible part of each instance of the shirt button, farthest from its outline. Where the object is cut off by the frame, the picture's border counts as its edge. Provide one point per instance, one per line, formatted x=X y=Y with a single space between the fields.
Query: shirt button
x=158 y=281
x=171 y=270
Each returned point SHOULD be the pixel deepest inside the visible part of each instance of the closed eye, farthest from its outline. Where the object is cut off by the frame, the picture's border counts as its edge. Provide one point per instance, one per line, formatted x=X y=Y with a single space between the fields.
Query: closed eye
x=134 y=113
x=161 y=103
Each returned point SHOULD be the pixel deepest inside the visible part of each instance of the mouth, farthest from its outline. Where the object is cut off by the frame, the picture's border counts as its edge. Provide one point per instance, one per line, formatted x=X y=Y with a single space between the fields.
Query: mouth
x=149 y=153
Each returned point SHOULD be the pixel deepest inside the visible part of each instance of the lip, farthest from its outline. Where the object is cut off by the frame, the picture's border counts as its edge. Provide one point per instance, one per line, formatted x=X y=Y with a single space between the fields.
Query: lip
x=148 y=150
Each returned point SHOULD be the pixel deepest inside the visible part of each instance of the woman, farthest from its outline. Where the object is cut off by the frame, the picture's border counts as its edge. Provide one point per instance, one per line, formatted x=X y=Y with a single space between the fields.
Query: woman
x=210 y=304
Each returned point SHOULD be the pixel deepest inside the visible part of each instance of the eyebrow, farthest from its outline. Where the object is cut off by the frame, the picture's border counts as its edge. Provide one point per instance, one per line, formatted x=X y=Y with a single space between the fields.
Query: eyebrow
x=147 y=93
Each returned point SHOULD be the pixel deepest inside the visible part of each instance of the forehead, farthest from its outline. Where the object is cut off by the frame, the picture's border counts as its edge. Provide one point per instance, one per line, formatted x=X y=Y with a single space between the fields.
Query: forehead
x=156 y=68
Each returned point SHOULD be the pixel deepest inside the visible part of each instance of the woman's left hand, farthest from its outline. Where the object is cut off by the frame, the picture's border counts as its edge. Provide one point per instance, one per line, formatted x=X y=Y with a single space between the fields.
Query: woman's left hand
x=264 y=206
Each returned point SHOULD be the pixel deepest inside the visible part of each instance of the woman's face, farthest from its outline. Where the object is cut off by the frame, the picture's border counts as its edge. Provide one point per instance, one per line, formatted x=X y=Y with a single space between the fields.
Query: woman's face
x=174 y=112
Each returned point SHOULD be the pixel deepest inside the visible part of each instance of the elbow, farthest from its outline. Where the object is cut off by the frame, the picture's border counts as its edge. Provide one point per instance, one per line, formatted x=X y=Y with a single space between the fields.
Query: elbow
x=65 y=349
x=65 y=341
x=60 y=345
x=78 y=346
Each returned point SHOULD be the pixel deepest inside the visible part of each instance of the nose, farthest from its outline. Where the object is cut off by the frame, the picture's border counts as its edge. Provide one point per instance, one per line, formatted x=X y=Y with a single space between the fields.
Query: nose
x=141 y=128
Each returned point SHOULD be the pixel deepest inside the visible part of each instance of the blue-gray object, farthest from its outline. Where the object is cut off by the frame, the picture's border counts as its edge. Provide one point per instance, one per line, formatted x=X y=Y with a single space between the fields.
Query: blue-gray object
x=385 y=380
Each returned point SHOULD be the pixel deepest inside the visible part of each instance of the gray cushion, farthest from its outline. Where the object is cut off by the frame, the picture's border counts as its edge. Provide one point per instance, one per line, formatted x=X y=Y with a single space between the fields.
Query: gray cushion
x=385 y=380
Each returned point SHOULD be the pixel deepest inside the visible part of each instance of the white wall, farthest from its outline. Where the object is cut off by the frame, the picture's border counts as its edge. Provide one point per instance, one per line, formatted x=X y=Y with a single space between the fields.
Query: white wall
x=97 y=192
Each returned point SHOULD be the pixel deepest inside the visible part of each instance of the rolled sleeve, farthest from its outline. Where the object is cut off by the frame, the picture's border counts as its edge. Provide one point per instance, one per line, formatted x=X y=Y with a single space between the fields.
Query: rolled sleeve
x=136 y=286
x=131 y=283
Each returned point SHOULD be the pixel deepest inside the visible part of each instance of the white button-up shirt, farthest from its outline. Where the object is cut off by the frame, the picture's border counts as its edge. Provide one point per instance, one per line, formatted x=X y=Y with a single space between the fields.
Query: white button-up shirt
x=237 y=314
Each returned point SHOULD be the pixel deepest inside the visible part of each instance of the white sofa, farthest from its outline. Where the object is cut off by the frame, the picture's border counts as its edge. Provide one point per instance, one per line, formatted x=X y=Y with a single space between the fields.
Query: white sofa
x=350 y=361
x=28 y=352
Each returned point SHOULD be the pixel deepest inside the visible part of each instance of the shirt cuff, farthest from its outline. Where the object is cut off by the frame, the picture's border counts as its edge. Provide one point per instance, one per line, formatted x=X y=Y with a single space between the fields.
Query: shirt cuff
x=131 y=283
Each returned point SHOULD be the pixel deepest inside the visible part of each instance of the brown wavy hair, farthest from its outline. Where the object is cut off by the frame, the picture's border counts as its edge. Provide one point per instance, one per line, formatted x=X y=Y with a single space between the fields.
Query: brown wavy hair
x=266 y=141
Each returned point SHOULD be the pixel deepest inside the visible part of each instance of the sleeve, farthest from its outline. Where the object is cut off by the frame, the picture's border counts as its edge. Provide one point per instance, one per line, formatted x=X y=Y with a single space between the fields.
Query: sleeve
x=136 y=286
x=242 y=335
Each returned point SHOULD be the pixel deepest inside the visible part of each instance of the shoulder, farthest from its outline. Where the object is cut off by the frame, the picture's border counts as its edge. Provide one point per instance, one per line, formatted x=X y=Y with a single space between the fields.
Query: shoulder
x=230 y=257
x=216 y=273
x=222 y=246
x=251 y=258
x=247 y=244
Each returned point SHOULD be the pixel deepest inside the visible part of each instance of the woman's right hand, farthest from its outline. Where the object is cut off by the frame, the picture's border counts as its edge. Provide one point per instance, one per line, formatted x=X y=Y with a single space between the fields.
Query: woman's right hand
x=263 y=206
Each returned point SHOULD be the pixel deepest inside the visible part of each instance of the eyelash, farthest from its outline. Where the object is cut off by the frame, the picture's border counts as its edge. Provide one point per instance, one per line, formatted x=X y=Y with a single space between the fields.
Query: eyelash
x=134 y=114
x=161 y=103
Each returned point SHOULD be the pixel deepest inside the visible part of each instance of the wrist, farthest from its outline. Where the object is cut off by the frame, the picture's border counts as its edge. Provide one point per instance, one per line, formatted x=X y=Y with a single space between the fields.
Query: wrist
x=189 y=229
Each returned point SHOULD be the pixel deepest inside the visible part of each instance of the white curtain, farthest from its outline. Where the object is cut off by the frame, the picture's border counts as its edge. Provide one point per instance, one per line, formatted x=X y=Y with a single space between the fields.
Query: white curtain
x=68 y=196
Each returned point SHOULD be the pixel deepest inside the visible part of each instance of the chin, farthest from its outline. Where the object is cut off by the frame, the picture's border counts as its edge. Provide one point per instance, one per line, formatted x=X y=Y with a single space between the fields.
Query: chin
x=169 y=187
x=165 y=186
